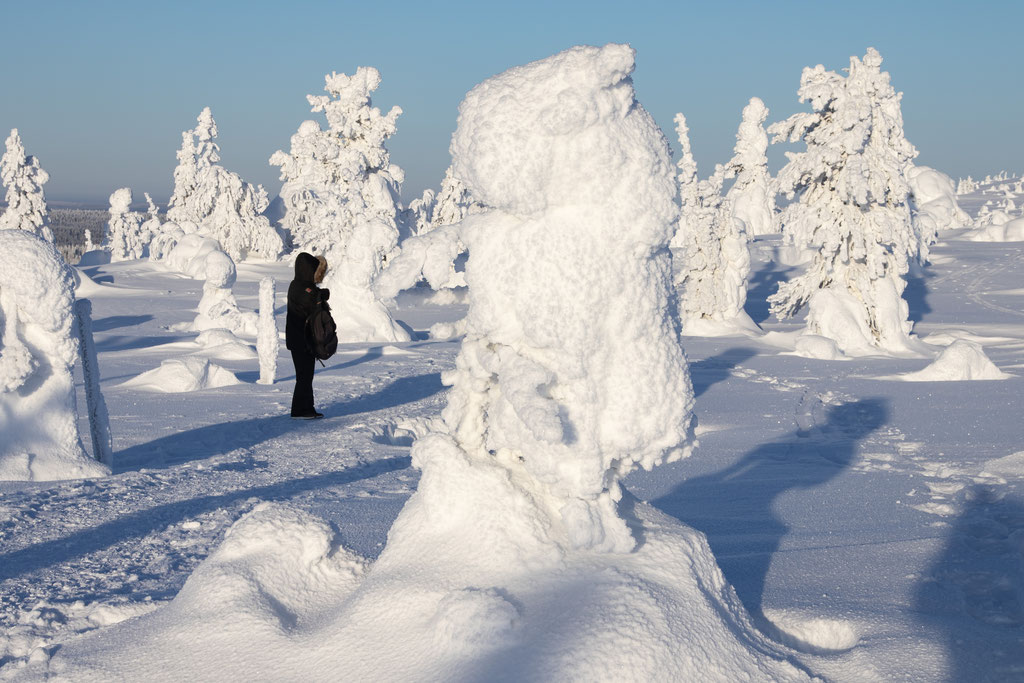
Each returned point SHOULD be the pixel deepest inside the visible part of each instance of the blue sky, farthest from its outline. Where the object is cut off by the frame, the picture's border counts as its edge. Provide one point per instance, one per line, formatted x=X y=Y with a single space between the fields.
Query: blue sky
x=102 y=90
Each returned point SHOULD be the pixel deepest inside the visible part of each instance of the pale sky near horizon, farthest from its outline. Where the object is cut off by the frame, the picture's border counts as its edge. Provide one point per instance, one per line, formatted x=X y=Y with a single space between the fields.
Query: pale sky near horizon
x=100 y=91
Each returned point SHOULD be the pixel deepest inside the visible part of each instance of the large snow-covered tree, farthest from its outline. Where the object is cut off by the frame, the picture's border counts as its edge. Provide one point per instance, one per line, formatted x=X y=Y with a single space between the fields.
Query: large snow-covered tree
x=337 y=177
x=340 y=194
x=218 y=201
x=852 y=207
x=24 y=180
x=752 y=195
x=711 y=278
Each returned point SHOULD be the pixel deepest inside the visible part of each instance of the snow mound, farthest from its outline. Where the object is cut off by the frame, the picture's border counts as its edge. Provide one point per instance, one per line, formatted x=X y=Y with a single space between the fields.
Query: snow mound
x=933 y=201
x=1011 y=466
x=223 y=344
x=198 y=257
x=179 y=375
x=1009 y=231
x=960 y=361
x=815 y=635
x=281 y=600
x=39 y=438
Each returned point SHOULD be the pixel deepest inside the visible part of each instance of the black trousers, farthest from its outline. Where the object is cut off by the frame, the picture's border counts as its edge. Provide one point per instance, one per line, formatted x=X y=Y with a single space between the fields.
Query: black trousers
x=302 y=399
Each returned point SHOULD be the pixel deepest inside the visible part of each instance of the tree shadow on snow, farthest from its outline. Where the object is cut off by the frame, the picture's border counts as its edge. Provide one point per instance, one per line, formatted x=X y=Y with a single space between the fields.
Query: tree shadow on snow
x=760 y=286
x=113 y=322
x=142 y=523
x=916 y=296
x=735 y=508
x=714 y=369
x=204 y=442
x=973 y=594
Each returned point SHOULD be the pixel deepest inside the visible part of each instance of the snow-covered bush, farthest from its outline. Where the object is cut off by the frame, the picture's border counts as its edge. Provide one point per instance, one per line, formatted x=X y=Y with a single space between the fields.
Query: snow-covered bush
x=218 y=307
x=268 y=343
x=222 y=205
x=853 y=208
x=24 y=180
x=340 y=194
x=752 y=196
x=933 y=203
x=124 y=239
x=711 y=276
x=188 y=256
x=966 y=185
x=38 y=349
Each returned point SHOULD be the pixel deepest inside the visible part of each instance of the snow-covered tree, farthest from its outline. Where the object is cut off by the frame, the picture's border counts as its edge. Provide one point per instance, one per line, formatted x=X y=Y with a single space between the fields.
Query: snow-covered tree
x=184 y=180
x=711 y=277
x=123 y=237
x=752 y=196
x=966 y=185
x=39 y=437
x=268 y=342
x=852 y=207
x=24 y=180
x=340 y=194
x=151 y=226
x=453 y=202
x=218 y=201
x=418 y=215
x=336 y=177
x=933 y=205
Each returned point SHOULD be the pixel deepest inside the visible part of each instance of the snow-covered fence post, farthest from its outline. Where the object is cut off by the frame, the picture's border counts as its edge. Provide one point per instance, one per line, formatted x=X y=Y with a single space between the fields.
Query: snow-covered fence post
x=267 y=341
x=99 y=419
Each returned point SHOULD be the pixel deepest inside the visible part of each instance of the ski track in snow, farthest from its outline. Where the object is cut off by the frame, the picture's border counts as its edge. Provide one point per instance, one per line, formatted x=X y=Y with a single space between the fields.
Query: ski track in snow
x=935 y=566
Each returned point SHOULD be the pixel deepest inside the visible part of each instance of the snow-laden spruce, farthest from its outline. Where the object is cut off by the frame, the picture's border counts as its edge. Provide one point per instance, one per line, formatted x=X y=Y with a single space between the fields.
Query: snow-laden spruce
x=268 y=342
x=340 y=197
x=430 y=253
x=513 y=559
x=714 y=261
x=752 y=195
x=24 y=179
x=852 y=207
x=124 y=239
x=38 y=349
x=216 y=201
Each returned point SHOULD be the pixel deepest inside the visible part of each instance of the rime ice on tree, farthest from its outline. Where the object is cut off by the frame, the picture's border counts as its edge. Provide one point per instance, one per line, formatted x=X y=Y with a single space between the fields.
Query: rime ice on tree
x=340 y=194
x=268 y=342
x=24 y=180
x=752 y=196
x=123 y=236
x=715 y=262
x=38 y=415
x=852 y=207
x=216 y=202
x=570 y=374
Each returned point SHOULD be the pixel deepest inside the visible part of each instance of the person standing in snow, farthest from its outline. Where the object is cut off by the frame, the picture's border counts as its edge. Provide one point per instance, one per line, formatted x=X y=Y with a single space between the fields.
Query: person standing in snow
x=303 y=296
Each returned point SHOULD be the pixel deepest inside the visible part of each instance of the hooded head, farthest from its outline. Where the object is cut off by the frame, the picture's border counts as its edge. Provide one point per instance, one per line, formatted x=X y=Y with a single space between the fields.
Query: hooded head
x=306 y=267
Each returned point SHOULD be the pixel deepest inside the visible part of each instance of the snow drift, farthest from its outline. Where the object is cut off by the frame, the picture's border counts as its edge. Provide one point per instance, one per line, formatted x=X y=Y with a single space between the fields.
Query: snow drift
x=38 y=348
x=518 y=557
x=960 y=361
x=179 y=375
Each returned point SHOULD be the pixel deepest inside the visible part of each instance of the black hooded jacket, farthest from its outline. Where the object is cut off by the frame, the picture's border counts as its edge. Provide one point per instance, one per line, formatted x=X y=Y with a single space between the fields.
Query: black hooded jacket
x=302 y=297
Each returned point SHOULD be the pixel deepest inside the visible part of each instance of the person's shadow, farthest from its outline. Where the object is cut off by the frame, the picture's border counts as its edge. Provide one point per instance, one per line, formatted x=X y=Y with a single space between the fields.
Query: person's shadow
x=735 y=506
x=973 y=594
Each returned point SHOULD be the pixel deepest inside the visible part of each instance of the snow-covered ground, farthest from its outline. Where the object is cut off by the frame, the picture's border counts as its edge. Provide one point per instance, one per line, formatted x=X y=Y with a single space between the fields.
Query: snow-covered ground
x=874 y=526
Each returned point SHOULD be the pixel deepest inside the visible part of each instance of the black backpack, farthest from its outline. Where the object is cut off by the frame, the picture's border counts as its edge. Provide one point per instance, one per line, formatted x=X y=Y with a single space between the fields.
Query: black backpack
x=321 y=332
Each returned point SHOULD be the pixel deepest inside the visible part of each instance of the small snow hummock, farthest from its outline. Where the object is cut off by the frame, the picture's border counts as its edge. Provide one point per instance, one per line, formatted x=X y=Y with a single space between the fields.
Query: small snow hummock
x=38 y=413
x=516 y=557
x=268 y=342
x=179 y=375
x=960 y=361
